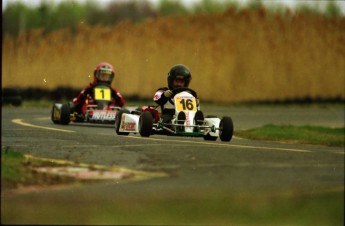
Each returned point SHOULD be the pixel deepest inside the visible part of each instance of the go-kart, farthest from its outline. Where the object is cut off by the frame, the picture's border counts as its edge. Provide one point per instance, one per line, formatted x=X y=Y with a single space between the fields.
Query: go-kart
x=99 y=110
x=186 y=120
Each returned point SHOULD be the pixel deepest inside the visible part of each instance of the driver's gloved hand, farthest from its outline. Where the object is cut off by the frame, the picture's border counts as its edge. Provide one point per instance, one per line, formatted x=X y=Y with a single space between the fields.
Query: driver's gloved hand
x=168 y=93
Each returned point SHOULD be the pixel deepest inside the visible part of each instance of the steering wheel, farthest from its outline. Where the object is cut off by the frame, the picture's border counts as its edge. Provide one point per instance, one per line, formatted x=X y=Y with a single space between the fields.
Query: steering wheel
x=102 y=84
x=181 y=89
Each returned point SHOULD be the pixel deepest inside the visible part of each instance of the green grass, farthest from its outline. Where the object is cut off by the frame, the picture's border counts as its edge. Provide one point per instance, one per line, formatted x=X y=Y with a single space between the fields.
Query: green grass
x=306 y=134
x=16 y=171
x=200 y=207
x=11 y=169
x=38 y=103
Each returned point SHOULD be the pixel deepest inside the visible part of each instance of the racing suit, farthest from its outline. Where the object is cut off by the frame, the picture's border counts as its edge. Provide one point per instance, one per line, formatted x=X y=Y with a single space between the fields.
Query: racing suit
x=167 y=109
x=87 y=94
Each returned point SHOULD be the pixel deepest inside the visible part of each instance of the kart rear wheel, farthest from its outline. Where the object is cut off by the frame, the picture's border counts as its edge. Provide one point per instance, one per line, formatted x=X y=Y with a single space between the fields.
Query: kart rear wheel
x=118 y=122
x=64 y=114
x=226 y=129
x=145 y=124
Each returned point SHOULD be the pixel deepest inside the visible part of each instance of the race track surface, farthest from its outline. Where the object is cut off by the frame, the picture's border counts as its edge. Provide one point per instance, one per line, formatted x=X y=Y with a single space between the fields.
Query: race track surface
x=194 y=170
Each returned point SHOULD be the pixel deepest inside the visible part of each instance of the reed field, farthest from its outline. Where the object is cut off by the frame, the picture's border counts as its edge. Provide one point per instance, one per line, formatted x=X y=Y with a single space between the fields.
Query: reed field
x=234 y=56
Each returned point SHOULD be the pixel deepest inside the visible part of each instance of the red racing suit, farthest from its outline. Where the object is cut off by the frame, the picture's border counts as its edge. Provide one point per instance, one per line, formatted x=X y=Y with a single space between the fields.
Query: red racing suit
x=87 y=95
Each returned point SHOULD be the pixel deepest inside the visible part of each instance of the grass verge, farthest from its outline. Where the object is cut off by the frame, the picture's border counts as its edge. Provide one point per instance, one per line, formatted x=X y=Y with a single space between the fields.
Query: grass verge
x=306 y=134
x=21 y=171
x=17 y=171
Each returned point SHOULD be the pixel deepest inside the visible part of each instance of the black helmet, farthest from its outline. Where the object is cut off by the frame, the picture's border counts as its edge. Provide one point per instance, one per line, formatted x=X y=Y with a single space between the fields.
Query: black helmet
x=179 y=71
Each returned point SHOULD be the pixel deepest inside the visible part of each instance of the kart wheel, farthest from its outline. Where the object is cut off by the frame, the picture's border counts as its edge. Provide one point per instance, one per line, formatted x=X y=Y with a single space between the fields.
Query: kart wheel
x=226 y=129
x=118 y=122
x=145 y=124
x=64 y=114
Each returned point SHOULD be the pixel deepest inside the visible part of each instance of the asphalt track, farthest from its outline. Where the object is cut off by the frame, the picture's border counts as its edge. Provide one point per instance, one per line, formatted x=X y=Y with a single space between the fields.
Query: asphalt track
x=178 y=168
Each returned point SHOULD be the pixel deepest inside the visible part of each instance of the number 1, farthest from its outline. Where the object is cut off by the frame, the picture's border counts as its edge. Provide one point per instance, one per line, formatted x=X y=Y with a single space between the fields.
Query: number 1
x=102 y=91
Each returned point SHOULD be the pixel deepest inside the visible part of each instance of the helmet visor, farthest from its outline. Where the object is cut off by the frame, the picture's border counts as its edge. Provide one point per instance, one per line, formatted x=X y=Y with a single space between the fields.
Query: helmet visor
x=178 y=83
x=105 y=75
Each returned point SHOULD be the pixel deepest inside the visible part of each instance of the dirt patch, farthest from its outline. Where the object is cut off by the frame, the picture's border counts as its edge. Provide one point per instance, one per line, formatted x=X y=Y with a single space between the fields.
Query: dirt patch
x=48 y=174
x=82 y=173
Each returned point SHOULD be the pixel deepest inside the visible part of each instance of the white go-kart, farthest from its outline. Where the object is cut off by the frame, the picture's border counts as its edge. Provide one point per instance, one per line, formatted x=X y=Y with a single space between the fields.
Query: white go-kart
x=186 y=120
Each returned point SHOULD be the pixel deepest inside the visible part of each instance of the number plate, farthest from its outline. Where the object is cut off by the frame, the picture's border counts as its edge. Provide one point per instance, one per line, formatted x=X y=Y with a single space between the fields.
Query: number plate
x=185 y=104
x=102 y=94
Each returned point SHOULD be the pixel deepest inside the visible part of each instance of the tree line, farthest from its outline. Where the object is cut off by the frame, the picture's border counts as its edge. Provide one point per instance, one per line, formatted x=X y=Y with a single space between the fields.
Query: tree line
x=19 y=17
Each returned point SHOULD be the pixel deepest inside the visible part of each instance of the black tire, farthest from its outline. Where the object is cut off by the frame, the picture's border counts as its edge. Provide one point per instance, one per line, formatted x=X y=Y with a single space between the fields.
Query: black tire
x=65 y=114
x=209 y=137
x=118 y=122
x=145 y=124
x=226 y=129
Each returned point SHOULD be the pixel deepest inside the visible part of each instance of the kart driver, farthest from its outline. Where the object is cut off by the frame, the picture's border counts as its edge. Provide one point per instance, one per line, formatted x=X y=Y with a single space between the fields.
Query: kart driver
x=103 y=74
x=178 y=76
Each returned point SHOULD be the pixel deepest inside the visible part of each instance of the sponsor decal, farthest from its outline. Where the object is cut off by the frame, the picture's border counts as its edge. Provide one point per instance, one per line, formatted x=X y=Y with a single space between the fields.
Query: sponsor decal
x=184 y=97
x=103 y=115
x=187 y=119
x=129 y=126
x=157 y=95
x=126 y=126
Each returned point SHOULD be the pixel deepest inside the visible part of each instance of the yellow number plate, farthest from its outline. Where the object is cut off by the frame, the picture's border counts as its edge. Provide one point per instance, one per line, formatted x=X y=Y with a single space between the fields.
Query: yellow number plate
x=102 y=94
x=185 y=104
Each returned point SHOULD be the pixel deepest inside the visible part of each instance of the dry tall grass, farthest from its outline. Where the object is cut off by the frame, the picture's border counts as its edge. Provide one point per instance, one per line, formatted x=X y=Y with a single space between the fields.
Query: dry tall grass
x=233 y=56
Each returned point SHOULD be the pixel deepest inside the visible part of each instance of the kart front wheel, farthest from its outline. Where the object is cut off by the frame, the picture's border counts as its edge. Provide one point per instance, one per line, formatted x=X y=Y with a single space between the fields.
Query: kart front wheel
x=118 y=122
x=145 y=124
x=226 y=129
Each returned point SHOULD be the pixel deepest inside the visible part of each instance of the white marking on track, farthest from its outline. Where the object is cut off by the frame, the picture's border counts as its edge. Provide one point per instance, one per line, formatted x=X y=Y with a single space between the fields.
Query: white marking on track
x=43 y=118
x=225 y=144
x=20 y=122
